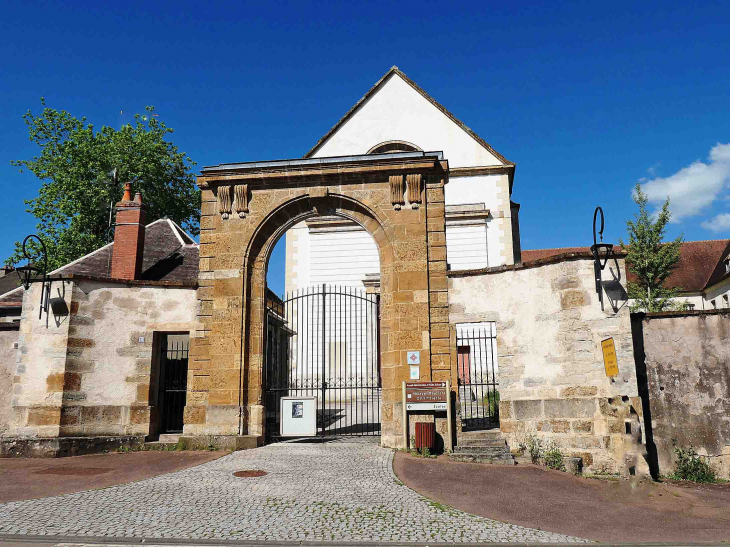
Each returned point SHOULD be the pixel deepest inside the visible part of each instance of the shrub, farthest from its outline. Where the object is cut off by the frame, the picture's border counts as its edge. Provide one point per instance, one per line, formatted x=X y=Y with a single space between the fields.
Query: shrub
x=553 y=457
x=534 y=447
x=691 y=467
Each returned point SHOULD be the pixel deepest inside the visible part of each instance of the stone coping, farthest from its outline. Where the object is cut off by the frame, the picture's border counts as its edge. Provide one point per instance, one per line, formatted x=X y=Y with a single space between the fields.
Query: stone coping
x=317 y=162
x=562 y=257
x=680 y=313
x=140 y=282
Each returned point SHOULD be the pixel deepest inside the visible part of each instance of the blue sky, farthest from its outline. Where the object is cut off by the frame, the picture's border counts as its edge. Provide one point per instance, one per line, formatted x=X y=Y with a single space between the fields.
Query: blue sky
x=587 y=98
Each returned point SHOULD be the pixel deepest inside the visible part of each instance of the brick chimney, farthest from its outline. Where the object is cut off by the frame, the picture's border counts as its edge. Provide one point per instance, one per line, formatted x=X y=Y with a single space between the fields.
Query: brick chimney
x=128 y=236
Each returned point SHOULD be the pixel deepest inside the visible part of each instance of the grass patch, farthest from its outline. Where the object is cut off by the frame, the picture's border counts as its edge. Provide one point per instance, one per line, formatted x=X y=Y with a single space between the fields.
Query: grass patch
x=691 y=467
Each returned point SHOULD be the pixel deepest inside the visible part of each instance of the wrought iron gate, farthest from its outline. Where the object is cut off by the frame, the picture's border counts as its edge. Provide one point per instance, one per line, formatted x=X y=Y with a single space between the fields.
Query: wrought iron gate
x=477 y=374
x=324 y=342
x=173 y=388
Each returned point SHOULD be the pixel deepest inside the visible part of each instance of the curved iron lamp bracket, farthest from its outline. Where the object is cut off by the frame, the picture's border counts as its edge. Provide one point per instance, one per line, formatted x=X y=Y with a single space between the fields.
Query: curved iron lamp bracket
x=601 y=252
x=30 y=272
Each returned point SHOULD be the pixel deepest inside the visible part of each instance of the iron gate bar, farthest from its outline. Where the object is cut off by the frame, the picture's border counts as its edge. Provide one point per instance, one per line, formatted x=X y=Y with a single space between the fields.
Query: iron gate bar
x=332 y=352
x=478 y=392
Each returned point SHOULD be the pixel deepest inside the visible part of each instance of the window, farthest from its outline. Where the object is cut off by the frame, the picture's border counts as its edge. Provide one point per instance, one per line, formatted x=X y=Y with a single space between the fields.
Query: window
x=690 y=307
x=727 y=264
x=714 y=304
x=391 y=147
x=725 y=303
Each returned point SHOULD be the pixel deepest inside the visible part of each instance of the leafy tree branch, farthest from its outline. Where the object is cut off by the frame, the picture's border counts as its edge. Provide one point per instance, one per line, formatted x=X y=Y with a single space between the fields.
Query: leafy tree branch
x=83 y=170
x=649 y=259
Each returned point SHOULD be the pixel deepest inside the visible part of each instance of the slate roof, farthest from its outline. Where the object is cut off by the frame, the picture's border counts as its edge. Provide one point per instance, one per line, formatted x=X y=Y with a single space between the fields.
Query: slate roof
x=700 y=265
x=395 y=70
x=170 y=254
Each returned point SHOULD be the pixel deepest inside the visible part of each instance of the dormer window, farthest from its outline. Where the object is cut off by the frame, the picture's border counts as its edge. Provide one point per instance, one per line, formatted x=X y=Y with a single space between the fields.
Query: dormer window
x=727 y=264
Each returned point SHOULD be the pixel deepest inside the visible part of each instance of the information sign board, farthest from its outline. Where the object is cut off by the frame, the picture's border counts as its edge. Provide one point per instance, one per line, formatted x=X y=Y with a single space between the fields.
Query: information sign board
x=610 y=361
x=426 y=395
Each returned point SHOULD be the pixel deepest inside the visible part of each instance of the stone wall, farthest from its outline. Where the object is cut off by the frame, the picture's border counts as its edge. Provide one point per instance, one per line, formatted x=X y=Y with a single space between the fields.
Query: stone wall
x=551 y=375
x=686 y=359
x=8 y=356
x=85 y=367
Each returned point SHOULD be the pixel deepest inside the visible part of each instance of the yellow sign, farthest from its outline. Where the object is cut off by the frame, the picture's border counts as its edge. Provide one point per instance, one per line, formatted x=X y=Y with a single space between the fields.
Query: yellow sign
x=610 y=361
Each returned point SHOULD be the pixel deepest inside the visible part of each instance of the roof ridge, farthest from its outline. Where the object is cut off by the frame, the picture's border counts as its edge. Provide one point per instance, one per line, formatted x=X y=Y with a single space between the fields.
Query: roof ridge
x=395 y=70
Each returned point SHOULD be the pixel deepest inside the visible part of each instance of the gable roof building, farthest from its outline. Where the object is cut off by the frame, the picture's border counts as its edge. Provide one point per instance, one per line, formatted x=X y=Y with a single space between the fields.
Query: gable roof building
x=394 y=116
x=169 y=254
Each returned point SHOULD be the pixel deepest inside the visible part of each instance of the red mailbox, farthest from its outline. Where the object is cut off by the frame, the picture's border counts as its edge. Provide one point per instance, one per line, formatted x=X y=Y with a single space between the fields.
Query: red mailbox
x=425 y=435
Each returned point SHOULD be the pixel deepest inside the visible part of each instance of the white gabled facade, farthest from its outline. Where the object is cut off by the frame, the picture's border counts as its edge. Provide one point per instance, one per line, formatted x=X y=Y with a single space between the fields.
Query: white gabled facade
x=398 y=115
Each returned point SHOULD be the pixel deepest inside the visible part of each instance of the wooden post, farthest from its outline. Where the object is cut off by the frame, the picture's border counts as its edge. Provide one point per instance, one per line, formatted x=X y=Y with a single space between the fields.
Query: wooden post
x=448 y=414
x=405 y=418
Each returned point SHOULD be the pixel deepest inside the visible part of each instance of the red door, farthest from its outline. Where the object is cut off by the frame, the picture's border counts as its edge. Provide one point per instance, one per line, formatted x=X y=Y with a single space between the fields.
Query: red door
x=463 y=360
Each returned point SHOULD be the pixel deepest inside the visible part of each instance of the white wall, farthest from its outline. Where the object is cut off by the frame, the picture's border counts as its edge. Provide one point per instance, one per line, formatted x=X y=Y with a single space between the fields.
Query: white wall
x=399 y=112
x=333 y=257
x=481 y=243
x=478 y=189
x=716 y=293
x=466 y=246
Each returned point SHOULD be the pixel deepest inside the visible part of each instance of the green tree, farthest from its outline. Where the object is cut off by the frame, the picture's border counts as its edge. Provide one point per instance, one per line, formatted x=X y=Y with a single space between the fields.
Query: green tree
x=650 y=260
x=84 y=170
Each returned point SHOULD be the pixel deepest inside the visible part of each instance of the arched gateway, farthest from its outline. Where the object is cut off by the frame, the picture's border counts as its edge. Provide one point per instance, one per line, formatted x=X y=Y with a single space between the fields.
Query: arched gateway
x=397 y=198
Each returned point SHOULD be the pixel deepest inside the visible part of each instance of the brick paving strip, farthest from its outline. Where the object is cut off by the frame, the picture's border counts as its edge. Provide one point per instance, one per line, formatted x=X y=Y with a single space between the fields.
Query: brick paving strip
x=335 y=492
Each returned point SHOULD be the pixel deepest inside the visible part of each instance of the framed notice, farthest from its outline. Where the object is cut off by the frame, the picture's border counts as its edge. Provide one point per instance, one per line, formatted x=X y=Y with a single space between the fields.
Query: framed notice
x=298 y=417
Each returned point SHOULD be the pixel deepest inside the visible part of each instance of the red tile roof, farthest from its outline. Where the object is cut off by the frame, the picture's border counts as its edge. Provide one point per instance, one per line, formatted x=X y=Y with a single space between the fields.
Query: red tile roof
x=699 y=260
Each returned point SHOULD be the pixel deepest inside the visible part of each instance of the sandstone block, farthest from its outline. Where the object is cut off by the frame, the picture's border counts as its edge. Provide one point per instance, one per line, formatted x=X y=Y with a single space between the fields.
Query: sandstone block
x=527 y=409
x=579 y=391
x=570 y=408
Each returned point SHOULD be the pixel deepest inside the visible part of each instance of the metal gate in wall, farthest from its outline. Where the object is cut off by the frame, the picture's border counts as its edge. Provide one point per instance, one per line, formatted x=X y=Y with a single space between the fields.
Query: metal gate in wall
x=323 y=342
x=476 y=350
x=174 y=379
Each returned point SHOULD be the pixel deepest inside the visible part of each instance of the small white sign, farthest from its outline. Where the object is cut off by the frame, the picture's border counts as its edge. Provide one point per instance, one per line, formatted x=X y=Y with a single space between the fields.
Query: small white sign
x=298 y=417
x=425 y=406
x=414 y=357
x=141 y=339
x=415 y=372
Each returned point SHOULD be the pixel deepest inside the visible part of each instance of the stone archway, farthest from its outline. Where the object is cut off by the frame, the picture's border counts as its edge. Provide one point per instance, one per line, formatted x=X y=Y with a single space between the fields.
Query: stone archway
x=246 y=208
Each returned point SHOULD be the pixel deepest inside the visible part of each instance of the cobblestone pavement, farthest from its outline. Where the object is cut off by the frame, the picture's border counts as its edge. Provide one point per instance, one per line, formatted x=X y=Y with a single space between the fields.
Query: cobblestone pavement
x=313 y=491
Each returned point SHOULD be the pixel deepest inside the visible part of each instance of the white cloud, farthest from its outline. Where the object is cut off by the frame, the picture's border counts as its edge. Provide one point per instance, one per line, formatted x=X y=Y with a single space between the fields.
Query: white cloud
x=694 y=187
x=721 y=223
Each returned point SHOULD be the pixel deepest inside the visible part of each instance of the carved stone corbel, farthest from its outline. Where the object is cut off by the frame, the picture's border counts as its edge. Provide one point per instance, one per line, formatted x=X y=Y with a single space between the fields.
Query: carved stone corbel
x=224 y=201
x=396 y=191
x=241 y=194
x=414 y=189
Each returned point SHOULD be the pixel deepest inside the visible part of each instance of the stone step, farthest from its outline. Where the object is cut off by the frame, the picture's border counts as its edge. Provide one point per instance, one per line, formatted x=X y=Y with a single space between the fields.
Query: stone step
x=169 y=437
x=482 y=449
x=482 y=433
x=481 y=442
x=482 y=458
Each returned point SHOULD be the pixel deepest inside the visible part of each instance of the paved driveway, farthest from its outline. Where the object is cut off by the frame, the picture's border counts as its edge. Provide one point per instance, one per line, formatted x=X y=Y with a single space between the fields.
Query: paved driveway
x=313 y=491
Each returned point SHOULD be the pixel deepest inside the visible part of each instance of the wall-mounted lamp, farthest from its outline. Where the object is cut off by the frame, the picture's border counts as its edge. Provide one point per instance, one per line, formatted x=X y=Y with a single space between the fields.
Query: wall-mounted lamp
x=32 y=271
x=601 y=253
